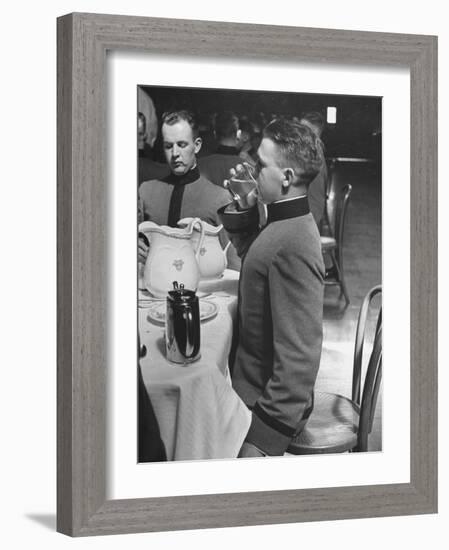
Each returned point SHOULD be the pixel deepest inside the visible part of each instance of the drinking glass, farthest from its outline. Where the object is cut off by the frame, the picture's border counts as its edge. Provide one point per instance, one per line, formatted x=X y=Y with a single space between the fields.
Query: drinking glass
x=241 y=183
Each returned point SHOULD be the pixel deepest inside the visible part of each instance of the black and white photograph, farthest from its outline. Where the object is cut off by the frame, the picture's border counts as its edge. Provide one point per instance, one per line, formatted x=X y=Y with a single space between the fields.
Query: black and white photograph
x=221 y=289
x=259 y=259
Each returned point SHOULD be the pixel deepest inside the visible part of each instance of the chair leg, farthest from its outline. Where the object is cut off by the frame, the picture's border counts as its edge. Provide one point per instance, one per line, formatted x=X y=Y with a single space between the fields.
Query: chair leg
x=341 y=278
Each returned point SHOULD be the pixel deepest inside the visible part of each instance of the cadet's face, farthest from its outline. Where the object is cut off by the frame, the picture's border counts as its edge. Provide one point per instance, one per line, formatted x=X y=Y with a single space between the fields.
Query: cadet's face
x=179 y=146
x=270 y=176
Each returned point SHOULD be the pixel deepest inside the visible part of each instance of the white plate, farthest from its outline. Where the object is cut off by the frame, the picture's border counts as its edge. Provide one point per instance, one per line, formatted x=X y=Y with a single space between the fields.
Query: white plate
x=145 y=295
x=157 y=310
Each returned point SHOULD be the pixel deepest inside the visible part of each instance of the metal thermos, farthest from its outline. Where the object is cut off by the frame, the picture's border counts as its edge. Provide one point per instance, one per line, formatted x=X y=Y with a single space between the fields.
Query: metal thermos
x=182 y=325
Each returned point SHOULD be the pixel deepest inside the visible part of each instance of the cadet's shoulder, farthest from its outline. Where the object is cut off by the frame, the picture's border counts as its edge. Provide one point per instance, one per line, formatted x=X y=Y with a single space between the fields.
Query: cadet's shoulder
x=212 y=188
x=299 y=233
x=151 y=183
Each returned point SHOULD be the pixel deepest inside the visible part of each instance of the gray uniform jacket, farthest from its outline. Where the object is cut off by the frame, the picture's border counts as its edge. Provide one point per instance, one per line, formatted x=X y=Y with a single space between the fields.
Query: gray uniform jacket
x=280 y=321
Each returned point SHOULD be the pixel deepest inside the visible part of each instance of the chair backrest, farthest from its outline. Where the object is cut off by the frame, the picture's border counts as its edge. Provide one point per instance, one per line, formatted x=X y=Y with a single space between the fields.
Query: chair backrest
x=367 y=399
x=331 y=164
x=336 y=205
x=328 y=220
x=342 y=201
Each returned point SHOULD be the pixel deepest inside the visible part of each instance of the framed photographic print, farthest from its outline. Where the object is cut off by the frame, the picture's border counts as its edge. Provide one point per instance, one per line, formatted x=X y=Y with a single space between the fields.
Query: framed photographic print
x=153 y=410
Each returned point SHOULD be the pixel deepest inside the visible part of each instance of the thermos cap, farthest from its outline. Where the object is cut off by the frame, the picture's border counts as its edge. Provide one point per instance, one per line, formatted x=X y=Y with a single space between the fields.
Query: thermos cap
x=180 y=293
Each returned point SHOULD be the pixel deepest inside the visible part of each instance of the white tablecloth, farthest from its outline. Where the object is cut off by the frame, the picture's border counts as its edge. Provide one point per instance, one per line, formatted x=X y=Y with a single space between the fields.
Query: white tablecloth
x=199 y=414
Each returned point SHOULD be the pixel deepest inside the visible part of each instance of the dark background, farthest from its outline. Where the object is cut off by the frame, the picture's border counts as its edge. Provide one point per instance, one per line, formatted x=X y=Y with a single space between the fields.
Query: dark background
x=357 y=133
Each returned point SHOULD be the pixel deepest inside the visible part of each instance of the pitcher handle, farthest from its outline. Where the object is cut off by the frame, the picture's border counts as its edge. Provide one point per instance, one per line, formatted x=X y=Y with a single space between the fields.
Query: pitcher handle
x=197 y=221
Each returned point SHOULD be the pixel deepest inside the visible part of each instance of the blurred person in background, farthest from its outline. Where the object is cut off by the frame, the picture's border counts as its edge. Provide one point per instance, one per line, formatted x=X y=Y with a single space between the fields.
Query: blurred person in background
x=149 y=169
x=250 y=138
x=215 y=167
x=318 y=187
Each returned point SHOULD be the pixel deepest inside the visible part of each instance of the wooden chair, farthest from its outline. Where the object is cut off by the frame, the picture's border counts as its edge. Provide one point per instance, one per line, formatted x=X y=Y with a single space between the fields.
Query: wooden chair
x=338 y=424
x=329 y=191
x=332 y=243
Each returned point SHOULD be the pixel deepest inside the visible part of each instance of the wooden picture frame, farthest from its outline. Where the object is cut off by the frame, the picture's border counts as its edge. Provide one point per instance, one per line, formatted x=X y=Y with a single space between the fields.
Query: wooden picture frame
x=83 y=40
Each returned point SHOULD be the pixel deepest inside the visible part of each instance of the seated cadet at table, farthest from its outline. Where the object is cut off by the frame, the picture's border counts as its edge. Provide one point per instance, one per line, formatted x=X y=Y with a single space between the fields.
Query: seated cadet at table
x=184 y=192
x=281 y=291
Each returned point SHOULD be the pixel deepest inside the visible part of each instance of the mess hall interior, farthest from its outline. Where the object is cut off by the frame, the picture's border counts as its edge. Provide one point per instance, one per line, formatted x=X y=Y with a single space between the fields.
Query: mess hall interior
x=351 y=237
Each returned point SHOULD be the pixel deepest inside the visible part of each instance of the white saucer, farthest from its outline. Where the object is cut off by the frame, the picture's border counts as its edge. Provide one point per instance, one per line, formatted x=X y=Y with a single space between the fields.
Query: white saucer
x=157 y=311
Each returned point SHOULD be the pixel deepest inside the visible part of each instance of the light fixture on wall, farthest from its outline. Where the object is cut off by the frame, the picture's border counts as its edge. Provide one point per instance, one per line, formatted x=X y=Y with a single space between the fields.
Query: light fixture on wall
x=332 y=115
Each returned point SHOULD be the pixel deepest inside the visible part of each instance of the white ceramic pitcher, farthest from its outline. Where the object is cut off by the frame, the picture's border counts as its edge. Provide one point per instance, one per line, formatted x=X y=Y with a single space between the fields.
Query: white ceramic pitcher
x=173 y=256
x=212 y=258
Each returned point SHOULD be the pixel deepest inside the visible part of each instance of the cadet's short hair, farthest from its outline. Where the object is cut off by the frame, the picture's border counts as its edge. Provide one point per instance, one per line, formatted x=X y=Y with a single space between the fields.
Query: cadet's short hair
x=298 y=146
x=172 y=117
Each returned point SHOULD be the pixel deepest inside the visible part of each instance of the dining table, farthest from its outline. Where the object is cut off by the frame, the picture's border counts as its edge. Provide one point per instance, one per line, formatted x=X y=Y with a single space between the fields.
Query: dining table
x=199 y=414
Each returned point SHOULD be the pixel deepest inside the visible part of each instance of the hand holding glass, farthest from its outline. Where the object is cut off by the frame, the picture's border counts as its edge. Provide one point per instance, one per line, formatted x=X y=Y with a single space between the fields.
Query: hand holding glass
x=242 y=185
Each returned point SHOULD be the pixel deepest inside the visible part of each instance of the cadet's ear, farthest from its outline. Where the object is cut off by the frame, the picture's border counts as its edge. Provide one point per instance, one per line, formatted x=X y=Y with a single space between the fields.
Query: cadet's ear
x=198 y=142
x=289 y=178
